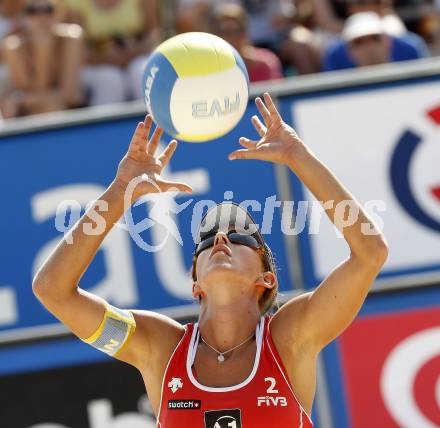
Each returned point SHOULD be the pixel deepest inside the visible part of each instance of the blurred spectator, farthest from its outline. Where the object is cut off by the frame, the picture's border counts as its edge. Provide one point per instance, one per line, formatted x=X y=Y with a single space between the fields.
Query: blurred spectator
x=269 y=27
x=365 y=42
x=391 y=20
x=268 y=20
x=119 y=36
x=300 y=51
x=435 y=45
x=193 y=15
x=231 y=23
x=10 y=13
x=418 y=16
x=329 y=17
x=43 y=59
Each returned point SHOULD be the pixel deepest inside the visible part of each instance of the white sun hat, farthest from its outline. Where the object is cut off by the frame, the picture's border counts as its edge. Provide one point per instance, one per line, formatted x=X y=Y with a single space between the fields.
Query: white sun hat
x=362 y=24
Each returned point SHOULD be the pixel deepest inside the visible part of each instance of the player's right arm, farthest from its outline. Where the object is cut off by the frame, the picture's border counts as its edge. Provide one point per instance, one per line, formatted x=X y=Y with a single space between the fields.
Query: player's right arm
x=56 y=282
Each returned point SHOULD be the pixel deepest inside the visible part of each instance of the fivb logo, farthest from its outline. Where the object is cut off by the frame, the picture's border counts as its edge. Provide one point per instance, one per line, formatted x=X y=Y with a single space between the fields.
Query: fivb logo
x=207 y=109
x=271 y=401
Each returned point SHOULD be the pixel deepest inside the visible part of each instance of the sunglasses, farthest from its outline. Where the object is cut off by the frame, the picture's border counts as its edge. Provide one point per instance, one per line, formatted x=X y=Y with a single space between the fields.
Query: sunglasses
x=237 y=238
x=233 y=236
x=43 y=9
x=375 y=38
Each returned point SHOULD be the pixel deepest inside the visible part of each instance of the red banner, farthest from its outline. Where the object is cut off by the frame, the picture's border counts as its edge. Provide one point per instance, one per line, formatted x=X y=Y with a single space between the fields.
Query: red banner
x=391 y=370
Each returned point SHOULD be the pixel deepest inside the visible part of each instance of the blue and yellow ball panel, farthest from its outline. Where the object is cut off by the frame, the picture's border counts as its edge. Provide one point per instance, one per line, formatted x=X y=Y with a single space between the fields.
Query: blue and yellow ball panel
x=240 y=63
x=162 y=77
x=196 y=86
x=192 y=54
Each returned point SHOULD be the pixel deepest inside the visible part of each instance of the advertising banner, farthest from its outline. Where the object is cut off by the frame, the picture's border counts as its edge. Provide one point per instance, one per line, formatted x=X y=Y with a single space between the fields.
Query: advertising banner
x=382 y=142
x=47 y=178
x=105 y=395
x=391 y=367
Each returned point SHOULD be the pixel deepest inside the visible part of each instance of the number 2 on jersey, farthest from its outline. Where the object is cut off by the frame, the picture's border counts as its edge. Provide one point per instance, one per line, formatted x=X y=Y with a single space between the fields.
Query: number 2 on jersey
x=271 y=389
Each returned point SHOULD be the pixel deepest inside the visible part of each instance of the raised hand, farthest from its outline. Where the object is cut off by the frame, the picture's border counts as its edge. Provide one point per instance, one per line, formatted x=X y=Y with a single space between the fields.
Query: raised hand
x=141 y=161
x=278 y=140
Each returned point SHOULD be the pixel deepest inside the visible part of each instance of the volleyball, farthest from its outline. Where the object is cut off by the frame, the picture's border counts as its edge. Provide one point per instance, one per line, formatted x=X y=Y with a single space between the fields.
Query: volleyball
x=196 y=86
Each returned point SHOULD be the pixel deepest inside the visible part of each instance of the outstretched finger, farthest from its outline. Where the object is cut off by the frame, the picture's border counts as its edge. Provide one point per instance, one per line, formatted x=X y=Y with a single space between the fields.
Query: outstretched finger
x=271 y=107
x=167 y=154
x=249 y=144
x=139 y=140
x=260 y=128
x=244 y=154
x=154 y=141
x=166 y=186
x=148 y=121
x=263 y=111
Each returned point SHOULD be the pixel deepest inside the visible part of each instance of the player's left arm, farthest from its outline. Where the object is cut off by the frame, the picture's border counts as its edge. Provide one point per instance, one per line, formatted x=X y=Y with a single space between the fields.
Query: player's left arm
x=324 y=313
x=318 y=317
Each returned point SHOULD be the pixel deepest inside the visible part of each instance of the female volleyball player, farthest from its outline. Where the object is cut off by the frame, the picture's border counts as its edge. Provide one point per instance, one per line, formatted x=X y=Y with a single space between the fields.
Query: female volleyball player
x=234 y=368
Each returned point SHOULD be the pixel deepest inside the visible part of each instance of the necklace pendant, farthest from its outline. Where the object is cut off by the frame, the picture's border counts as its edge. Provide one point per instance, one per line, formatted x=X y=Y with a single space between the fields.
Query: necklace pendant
x=220 y=358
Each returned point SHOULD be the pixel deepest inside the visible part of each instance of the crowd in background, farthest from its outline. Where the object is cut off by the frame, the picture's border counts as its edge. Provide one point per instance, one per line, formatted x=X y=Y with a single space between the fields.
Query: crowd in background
x=64 y=54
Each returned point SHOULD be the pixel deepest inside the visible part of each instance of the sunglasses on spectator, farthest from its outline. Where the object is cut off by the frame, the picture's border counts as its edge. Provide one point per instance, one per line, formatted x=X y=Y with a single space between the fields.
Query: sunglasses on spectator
x=39 y=9
x=235 y=237
x=362 y=40
x=369 y=2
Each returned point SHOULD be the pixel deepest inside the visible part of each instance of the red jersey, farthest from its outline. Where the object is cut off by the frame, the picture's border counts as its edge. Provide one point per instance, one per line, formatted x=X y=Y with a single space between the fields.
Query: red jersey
x=263 y=400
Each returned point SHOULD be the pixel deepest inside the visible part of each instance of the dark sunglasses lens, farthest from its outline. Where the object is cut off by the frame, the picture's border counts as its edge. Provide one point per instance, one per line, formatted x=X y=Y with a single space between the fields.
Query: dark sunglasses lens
x=205 y=243
x=237 y=238
x=243 y=239
x=234 y=237
x=39 y=10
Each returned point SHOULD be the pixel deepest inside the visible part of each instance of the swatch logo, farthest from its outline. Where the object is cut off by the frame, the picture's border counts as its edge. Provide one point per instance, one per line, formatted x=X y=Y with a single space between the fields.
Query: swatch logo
x=184 y=404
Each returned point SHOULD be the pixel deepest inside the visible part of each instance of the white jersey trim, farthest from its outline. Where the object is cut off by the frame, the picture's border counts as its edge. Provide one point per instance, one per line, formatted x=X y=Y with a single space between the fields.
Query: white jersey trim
x=288 y=383
x=164 y=376
x=259 y=330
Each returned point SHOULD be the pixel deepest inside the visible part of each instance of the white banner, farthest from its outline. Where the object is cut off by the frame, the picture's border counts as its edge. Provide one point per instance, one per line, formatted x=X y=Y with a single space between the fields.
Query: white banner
x=384 y=145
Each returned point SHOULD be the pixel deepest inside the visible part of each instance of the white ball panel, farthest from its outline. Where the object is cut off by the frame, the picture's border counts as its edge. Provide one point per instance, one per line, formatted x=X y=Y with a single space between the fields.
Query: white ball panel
x=207 y=105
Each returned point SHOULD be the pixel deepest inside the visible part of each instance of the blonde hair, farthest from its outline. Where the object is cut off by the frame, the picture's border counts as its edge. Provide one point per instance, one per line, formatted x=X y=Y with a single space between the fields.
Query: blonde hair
x=269 y=296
